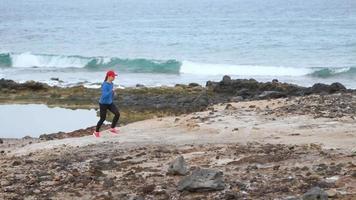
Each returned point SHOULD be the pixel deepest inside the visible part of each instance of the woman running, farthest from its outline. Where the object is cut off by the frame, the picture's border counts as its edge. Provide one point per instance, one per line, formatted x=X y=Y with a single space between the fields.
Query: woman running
x=106 y=103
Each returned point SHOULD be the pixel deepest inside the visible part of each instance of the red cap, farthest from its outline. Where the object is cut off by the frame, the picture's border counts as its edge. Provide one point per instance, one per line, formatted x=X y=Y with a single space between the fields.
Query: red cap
x=111 y=73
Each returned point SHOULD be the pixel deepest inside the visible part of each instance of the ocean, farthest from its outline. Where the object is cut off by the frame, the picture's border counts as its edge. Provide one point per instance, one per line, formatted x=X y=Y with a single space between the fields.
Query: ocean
x=165 y=42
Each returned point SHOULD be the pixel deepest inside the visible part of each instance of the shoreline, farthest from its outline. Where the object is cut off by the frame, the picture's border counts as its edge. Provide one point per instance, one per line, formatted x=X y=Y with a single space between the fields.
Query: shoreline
x=142 y=102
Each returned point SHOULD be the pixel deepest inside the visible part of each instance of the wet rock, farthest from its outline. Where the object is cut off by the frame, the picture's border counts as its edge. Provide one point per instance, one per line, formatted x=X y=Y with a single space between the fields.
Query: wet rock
x=178 y=167
x=202 y=180
x=315 y=193
x=140 y=85
x=56 y=79
x=194 y=85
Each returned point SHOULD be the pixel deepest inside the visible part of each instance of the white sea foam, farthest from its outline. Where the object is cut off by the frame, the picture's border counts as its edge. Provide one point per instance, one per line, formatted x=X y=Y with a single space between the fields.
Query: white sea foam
x=28 y=59
x=243 y=70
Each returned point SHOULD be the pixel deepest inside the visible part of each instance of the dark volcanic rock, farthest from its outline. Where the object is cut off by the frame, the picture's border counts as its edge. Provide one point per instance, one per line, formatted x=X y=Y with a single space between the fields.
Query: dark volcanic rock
x=178 y=167
x=272 y=95
x=250 y=88
x=202 y=180
x=315 y=194
x=320 y=88
x=30 y=85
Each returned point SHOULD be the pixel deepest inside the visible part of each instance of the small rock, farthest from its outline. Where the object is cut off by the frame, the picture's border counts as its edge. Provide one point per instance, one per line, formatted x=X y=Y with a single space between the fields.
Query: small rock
x=331 y=193
x=108 y=182
x=226 y=80
x=202 y=180
x=315 y=193
x=54 y=79
x=75 y=173
x=230 y=107
x=276 y=167
x=16 y=163
x=148 y=189
x=236 y=99
x=272 y=95
x=178 y=167
x=140 y=85
x=353 y=174
x=5 y=183
x=27 y=137
x=193 y=85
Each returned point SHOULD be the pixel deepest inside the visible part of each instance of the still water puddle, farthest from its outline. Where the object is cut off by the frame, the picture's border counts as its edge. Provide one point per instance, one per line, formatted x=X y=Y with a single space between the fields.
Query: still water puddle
x=17 y=121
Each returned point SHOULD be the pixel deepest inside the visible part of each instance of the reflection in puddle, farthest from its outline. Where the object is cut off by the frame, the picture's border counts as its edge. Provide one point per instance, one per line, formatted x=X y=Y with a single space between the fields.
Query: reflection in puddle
x=17 y=121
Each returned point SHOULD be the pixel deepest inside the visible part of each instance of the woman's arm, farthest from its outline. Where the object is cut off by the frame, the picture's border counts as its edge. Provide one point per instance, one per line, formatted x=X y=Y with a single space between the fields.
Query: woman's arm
x=106 y=91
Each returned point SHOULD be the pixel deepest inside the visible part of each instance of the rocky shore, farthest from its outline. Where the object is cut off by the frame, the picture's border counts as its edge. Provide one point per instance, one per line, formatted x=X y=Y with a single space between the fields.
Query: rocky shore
x=233 y=139
x=143 y=103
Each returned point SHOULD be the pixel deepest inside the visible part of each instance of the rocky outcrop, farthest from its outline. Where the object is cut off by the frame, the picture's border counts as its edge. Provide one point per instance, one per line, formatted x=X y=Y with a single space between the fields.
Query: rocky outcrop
x=252 y=89
x=6 y=85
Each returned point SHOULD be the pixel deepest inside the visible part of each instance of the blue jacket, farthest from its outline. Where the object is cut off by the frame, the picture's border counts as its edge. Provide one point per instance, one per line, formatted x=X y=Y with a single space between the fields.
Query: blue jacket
x=107 y=93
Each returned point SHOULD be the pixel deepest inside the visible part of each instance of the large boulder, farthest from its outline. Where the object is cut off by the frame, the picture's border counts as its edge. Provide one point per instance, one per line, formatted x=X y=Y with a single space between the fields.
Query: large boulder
x=178 y=167
x=315 y=193
x=202 y=180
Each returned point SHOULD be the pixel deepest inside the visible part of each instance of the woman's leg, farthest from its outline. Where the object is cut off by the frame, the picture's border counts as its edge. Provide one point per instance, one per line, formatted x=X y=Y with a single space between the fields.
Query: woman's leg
x=116 y=113
x=103 y=109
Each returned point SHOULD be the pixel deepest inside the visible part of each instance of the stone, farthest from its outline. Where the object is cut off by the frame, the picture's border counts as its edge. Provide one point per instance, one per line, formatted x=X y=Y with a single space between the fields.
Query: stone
x=178 y=167
x=236 y=99
x=272 y=95
x=226 y=80
x=148 y=189
x=140 y=85
x=315 y=193
x=108 y=182
x=326 y=89
x=202 y=180
x=16 y=163
x=230 y=107
x=331 y=193
x=193 y=85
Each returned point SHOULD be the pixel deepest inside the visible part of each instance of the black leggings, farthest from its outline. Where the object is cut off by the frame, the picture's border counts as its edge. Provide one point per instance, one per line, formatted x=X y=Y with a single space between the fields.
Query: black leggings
x=103 y=110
